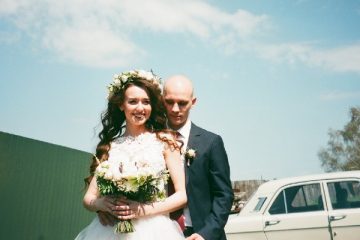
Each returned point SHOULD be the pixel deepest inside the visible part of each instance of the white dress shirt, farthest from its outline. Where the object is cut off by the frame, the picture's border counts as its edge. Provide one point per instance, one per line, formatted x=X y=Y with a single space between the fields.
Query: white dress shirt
x=184 y=132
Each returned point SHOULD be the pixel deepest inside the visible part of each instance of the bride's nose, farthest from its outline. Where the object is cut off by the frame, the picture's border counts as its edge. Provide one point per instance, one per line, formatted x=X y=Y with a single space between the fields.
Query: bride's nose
x=140 y=106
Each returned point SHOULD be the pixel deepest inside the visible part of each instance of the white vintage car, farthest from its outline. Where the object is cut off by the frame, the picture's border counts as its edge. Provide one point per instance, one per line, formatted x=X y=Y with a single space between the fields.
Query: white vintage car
x=316 y=207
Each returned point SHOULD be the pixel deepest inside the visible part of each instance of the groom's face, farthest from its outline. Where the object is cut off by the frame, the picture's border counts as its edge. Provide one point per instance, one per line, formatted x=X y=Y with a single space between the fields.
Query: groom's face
x=178 y=103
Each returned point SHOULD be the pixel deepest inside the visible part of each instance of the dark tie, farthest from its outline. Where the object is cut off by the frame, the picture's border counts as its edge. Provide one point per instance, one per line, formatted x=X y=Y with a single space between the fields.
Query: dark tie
x=178 y=214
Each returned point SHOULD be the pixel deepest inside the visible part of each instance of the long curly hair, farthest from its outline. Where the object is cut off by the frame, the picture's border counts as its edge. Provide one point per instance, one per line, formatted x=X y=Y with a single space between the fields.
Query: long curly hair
x=113 y=120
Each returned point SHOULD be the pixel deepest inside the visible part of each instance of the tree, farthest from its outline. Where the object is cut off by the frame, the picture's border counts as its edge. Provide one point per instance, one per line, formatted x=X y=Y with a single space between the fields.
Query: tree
x=343 y=151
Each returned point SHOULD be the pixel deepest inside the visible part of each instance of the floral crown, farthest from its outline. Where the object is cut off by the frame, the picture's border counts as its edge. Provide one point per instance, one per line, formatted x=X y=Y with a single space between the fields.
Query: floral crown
x=121 y=80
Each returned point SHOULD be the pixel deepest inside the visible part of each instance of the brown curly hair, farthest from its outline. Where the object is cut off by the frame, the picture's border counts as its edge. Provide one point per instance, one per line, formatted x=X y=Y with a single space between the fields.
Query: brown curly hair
x=113 y=120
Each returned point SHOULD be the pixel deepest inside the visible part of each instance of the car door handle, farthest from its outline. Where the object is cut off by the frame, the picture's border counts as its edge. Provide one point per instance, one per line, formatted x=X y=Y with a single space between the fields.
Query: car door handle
x=271 y=222
x=337 y=217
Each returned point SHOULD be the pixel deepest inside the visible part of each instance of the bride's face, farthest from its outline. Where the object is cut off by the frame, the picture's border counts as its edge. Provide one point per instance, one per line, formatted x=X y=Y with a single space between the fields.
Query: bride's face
x=136 y=106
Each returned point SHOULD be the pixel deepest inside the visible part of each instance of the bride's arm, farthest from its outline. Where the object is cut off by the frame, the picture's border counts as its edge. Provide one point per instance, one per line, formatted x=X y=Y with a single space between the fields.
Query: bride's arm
x=171 y=203
x=94 y=202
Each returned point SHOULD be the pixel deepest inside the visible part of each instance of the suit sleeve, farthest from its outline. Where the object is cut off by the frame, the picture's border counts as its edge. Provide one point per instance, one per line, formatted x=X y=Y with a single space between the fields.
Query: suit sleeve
x=221 y=191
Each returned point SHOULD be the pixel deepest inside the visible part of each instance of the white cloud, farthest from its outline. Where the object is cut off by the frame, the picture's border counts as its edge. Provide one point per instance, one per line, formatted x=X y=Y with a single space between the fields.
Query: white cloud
x=11 y=6
x=9 y=37
x=98 y=33
x=287 y=52
x=339 y=95
x=91 y=44
x=341 y=59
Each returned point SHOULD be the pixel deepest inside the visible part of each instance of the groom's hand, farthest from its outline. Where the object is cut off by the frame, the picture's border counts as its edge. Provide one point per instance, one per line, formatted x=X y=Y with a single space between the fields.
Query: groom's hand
x=195 y=236
x=106 y=219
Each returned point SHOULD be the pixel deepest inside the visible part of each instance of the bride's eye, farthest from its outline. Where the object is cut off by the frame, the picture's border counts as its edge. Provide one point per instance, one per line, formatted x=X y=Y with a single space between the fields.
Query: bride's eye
x=146 y=101
x=132 y=101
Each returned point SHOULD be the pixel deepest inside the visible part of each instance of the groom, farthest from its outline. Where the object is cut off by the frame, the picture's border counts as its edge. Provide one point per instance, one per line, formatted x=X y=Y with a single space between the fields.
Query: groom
x=208 y=184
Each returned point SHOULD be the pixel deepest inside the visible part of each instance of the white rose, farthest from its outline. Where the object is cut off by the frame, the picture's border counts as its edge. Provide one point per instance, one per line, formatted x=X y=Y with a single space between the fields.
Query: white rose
x=117 y=176
x=108 y=175
x=124 y=78
x=99 y=171
x=115 y=76
x=105 y=164
x=161 y=185
x=141 y=73
x=117 y=81
x=110 y=95
x=146 y=75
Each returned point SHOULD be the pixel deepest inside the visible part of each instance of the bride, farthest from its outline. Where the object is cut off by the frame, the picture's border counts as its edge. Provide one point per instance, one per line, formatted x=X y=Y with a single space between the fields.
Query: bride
x=135 y=123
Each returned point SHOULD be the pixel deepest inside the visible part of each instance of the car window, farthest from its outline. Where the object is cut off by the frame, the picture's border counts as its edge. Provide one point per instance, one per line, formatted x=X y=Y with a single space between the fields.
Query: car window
x=259 y=204
x=344 y=194
x=302 y=198
x=278 y=206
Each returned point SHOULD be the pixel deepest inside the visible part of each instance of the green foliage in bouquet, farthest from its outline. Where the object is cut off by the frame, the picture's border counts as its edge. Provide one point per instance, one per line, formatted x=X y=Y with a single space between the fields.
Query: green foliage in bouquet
x=143 y=189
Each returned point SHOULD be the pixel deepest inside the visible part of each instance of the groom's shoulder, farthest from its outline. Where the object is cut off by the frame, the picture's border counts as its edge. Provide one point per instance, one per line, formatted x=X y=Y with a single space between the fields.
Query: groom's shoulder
x=203 y=131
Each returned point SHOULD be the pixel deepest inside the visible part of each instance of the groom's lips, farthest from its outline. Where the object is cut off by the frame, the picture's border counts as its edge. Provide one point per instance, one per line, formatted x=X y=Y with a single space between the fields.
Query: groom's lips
x=176 y=117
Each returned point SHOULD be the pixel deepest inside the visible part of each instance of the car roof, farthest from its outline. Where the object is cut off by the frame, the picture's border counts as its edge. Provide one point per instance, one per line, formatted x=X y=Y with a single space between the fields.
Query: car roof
x=274 y=185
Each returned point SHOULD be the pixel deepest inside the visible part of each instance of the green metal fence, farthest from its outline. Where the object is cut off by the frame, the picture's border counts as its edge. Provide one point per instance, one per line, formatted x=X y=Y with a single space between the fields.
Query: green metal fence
x=41 y=189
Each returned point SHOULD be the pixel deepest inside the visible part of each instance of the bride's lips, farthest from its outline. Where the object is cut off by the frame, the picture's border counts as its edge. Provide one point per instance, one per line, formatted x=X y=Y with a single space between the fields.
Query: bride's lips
x=139 y=117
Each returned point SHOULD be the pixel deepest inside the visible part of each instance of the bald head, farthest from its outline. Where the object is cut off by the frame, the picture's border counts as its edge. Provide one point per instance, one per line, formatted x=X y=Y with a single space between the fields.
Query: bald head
x=179 y=82
x=178 y=100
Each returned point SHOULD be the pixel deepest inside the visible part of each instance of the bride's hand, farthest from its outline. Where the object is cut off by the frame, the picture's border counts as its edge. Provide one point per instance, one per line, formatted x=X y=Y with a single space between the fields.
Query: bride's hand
x=127 y=209
x=105 y=203
x=106 y=219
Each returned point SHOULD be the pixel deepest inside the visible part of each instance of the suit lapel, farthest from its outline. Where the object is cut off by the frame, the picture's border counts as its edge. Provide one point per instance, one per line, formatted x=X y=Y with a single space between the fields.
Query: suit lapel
x=194 y=143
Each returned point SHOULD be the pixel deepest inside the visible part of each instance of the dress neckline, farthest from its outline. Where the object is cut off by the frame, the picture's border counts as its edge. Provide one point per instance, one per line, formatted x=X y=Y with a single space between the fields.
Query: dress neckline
x=129 y=138
x=137 y=136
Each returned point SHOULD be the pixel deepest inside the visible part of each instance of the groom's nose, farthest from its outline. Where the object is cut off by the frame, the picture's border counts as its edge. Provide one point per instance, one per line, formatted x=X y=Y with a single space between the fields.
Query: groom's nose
x=175 y=108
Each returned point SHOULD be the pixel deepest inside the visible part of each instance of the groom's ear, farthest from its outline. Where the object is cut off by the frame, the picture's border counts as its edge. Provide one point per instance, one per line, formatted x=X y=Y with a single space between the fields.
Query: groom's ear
x=193 y=101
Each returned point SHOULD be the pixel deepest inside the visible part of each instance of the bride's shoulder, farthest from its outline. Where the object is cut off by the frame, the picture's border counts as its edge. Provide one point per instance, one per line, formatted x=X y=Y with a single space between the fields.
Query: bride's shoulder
x=166 y=136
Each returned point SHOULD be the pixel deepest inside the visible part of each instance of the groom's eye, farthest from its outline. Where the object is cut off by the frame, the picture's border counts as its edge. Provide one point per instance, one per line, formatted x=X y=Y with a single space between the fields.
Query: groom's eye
x=182 y=103
x=169 y=102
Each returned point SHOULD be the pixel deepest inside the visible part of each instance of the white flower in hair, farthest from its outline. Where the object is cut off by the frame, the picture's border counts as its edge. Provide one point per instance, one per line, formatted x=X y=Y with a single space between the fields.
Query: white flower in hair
x=120 y=80
x=146 y=75
x=124 y=78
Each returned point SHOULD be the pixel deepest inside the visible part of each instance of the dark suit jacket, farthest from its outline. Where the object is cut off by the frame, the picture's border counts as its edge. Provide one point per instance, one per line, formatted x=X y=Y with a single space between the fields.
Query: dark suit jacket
x=208 y=185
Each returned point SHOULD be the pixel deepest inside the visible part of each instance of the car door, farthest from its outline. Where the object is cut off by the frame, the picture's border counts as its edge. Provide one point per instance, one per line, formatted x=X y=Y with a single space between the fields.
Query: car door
x=298 y=213
x=344 y=209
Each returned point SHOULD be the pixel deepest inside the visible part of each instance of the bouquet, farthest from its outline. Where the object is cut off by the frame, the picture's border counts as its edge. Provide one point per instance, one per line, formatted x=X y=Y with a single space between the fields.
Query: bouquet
x=135 y=179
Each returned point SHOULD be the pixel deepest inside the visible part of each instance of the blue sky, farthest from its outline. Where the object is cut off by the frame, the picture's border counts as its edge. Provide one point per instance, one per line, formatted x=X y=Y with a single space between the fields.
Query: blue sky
x=271 y=77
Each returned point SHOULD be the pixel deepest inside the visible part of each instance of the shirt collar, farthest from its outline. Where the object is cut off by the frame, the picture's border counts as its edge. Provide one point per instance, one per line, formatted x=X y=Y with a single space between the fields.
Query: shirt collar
x=185 y=130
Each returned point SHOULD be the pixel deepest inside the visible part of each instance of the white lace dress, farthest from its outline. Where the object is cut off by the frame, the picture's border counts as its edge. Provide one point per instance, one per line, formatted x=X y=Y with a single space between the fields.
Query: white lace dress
x=145 y=147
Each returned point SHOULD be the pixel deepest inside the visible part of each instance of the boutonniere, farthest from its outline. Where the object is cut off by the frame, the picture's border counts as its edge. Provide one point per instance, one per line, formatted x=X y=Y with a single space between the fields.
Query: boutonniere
x=190 y=154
